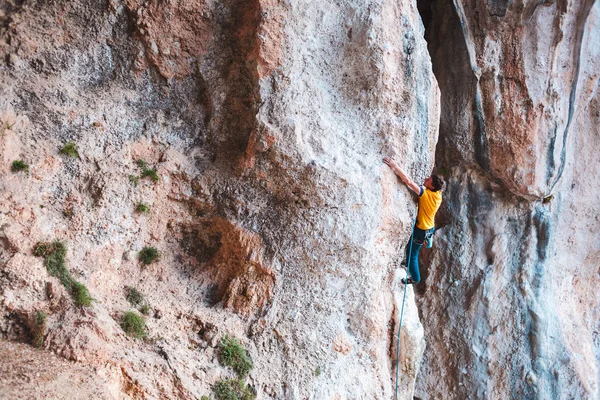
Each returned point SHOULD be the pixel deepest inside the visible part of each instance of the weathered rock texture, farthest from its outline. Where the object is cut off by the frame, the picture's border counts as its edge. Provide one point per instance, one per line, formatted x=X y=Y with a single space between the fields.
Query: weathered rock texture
x=275 y=218
x=511 y=305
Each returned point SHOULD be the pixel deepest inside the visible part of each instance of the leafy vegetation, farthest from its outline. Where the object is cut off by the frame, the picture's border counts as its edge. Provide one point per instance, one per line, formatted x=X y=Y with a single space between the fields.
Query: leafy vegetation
x=19 y=165
x=233 y=355
x=233 y=389
x=145 y=309
x=135 y=180
x=54 y=254
x=142 y=208
x=148 y=255
x=40 y=328
x=134 y=296
x=81 y=295
x=134 y=325
x=147 y=172
x=70 y=150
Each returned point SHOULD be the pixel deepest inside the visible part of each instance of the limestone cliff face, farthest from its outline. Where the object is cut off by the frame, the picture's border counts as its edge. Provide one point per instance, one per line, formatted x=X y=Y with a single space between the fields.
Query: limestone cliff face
x=511 y=301
x=275 y=219
x=276 y=222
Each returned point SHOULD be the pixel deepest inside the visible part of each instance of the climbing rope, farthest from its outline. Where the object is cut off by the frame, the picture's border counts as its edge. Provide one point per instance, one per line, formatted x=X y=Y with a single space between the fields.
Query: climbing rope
x=402 y=312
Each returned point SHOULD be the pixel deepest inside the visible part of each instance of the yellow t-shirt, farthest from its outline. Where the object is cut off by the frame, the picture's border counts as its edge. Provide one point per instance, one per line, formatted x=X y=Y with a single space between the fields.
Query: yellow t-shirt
x=429 y=202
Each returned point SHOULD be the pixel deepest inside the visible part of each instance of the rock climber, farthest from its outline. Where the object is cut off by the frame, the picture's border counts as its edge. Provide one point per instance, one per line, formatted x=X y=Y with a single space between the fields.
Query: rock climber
x=430 y=198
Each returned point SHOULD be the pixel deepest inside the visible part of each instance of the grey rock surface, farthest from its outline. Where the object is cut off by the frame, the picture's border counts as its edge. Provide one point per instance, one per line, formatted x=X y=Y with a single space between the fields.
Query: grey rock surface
x=275 y=219
x=511 y=300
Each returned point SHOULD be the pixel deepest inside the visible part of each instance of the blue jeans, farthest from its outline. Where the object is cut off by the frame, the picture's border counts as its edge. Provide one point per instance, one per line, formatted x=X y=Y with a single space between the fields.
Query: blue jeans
x=413 y=247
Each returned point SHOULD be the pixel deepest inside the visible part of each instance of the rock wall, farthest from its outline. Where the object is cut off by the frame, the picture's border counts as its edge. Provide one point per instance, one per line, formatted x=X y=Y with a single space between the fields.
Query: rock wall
x=510 y=308
x=274 y=217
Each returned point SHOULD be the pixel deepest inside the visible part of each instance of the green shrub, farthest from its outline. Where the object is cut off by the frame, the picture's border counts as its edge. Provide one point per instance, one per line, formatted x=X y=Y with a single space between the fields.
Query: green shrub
x=147 y=172
x=40 y=328
x=135 y=180
x=70 y=150
x=19 y=165
x=134 y=325
x=148 y=255
x=318 y=371
x=233 y=389
x=81 y=295
x=204 y=398
x=134 y=296
x=54 y=254
x=142 y=208
x=145 y=309
x=233 y=355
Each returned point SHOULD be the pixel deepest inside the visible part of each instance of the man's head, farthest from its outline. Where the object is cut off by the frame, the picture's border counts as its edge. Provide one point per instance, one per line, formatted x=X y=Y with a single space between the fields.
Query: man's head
x=434 y=183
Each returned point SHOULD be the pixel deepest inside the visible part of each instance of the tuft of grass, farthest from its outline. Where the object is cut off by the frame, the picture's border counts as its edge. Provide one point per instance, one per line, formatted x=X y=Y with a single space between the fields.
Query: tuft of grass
x=70 y=150
x=134 y=325
x=134 y=296
x=135 y=180
x=317 y=371
x=233 y=389
x=142 y=208
x=19 y=165
x=233 y=355
x=54 y=254
x=147 y=172
x=204 y=398
x=145 y=309
x=81 y=295
x=40 y=328
x=148 y=255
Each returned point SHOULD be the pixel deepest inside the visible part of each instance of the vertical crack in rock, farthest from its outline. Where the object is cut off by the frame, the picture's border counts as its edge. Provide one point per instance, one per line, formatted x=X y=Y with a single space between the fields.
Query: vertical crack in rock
x=541 y=226
x=581 y=23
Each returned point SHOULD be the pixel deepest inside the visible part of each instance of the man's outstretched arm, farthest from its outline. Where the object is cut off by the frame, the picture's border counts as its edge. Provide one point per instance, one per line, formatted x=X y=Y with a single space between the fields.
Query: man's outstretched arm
x=409 y=182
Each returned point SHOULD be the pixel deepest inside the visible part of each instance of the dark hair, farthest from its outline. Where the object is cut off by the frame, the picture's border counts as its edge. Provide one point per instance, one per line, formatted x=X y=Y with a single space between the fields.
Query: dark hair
x=437 y=182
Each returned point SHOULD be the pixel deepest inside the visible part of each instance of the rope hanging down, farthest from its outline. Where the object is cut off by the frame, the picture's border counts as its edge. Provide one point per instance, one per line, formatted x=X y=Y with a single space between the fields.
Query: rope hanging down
x=402 y=312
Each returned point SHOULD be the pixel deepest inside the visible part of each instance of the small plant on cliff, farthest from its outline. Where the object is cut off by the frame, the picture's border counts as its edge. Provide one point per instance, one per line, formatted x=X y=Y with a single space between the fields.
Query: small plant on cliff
x=40 y=328
x=147 y=172
x=54 y=254
x=148 y=255
x=19 y=165
x=142 y=208
x=134 y=296
x=70 y=150
x=135 y=180
x=233 y=389
x=145 y=309
x=134 y=325
x=81 y=295
x=233 y=355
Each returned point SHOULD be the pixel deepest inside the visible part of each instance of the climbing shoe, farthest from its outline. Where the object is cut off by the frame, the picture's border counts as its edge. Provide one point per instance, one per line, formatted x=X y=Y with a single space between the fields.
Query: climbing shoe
x=408 y=281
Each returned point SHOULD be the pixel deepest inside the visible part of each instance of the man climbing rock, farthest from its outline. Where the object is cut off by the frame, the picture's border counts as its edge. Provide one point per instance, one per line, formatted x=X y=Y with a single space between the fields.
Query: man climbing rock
x=430 y=198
